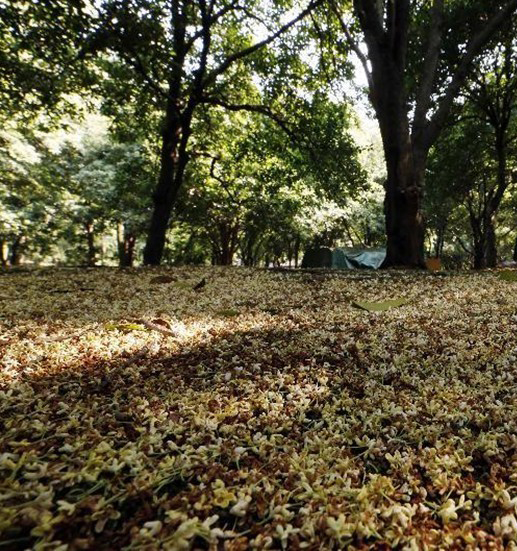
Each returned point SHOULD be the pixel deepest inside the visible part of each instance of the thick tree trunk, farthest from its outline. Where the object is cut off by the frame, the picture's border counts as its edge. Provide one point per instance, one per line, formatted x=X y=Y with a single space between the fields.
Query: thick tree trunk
x=387 y=31
x=404 y=189
x=173 y=162
x=479 y=260
x=227 y=244
x=479 y=228
x=404 y=223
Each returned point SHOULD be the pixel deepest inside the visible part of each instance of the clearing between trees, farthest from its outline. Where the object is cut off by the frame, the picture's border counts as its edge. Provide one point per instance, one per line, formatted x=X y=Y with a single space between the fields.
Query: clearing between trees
x=259 y=411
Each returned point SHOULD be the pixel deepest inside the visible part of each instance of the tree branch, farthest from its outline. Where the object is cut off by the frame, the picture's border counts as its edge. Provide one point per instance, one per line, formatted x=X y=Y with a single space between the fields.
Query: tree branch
x=432 y=55
x=252 y=108
x=212 y=21
x=398 y=23
x=257 y=46
x=371 y=22
x=474 y=48
x=353 y=45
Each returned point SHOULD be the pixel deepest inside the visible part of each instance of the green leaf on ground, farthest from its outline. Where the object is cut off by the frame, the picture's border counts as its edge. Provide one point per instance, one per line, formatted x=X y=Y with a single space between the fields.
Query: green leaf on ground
x=182 y=285
x=380 y=306
x=508 y=275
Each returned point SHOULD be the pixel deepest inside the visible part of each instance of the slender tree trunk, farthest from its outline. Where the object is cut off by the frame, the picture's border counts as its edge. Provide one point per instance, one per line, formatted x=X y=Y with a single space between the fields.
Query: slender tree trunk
x=90 y=241
x=247 y=250
x=491 y=245
x=495 y=203
x=175 y=135
x=129 y=251
x=126 y=242
x=296 y=251
x=479 y=242
x=3 y=252
x=515 y=250
x=120 y=243
x=440 y=240
x=16 y=250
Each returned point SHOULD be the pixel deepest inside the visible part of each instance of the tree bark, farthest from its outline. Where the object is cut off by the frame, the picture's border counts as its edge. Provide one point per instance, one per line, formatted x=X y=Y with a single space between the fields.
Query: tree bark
x=297 y=244
x=402 y=209
x=173 y=162
x=225 y=245
x=90 y=240
x=16 y=250
x=126 y=246
x=3 y=252
x=491 y=246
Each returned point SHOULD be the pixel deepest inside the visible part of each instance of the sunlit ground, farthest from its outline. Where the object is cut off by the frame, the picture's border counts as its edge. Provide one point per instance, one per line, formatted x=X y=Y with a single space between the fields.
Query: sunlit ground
x=261 y=411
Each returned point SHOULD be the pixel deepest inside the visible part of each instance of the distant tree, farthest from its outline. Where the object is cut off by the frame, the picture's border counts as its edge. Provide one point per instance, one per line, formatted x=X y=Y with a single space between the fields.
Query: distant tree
x=30 y=199
x=492 y=94
x=169 y=58
x=248 y=185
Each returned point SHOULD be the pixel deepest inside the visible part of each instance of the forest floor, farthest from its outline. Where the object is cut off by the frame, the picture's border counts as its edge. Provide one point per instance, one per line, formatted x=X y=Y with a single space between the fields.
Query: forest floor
x=260 y=411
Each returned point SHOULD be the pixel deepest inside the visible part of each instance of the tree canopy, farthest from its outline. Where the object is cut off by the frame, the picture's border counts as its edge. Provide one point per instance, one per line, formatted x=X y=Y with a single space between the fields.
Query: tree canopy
x=229 y=127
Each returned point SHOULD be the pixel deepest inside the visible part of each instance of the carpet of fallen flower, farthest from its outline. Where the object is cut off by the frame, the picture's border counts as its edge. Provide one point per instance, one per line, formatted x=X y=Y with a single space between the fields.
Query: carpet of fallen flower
x=259 y=411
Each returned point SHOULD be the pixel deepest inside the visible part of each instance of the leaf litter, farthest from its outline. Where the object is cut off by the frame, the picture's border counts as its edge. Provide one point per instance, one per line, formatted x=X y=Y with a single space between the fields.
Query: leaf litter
x=300 y=422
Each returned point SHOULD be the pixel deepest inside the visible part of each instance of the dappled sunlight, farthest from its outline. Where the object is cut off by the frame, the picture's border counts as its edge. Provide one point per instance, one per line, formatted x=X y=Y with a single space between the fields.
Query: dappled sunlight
x=263 y=416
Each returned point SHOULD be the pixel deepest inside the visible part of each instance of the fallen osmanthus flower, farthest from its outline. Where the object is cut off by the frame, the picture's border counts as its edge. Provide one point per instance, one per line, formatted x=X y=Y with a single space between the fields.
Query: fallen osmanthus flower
x=164 y=417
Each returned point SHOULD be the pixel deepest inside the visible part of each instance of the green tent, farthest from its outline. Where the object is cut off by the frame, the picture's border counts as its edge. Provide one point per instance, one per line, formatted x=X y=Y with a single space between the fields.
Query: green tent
x=351 y=258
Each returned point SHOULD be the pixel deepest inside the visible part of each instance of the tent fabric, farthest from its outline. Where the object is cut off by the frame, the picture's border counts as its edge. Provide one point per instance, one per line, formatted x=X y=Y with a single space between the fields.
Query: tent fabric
x=346 y=258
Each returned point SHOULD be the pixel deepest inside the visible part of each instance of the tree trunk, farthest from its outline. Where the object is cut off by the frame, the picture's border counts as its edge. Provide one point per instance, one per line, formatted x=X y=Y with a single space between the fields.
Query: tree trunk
x=387 y=32
x=247 y=249
x=120 y=242
x=228 y=235
x=3 y=252
x=90 y=240
x=404 y=226
x=403 y=199
x=479 y=241
x=491 y=245
x=173 y=161
x=440 y=239
x=479 y=262
x=297 y=251
x=16 y=250
x=126 y=246
x=495 y=202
